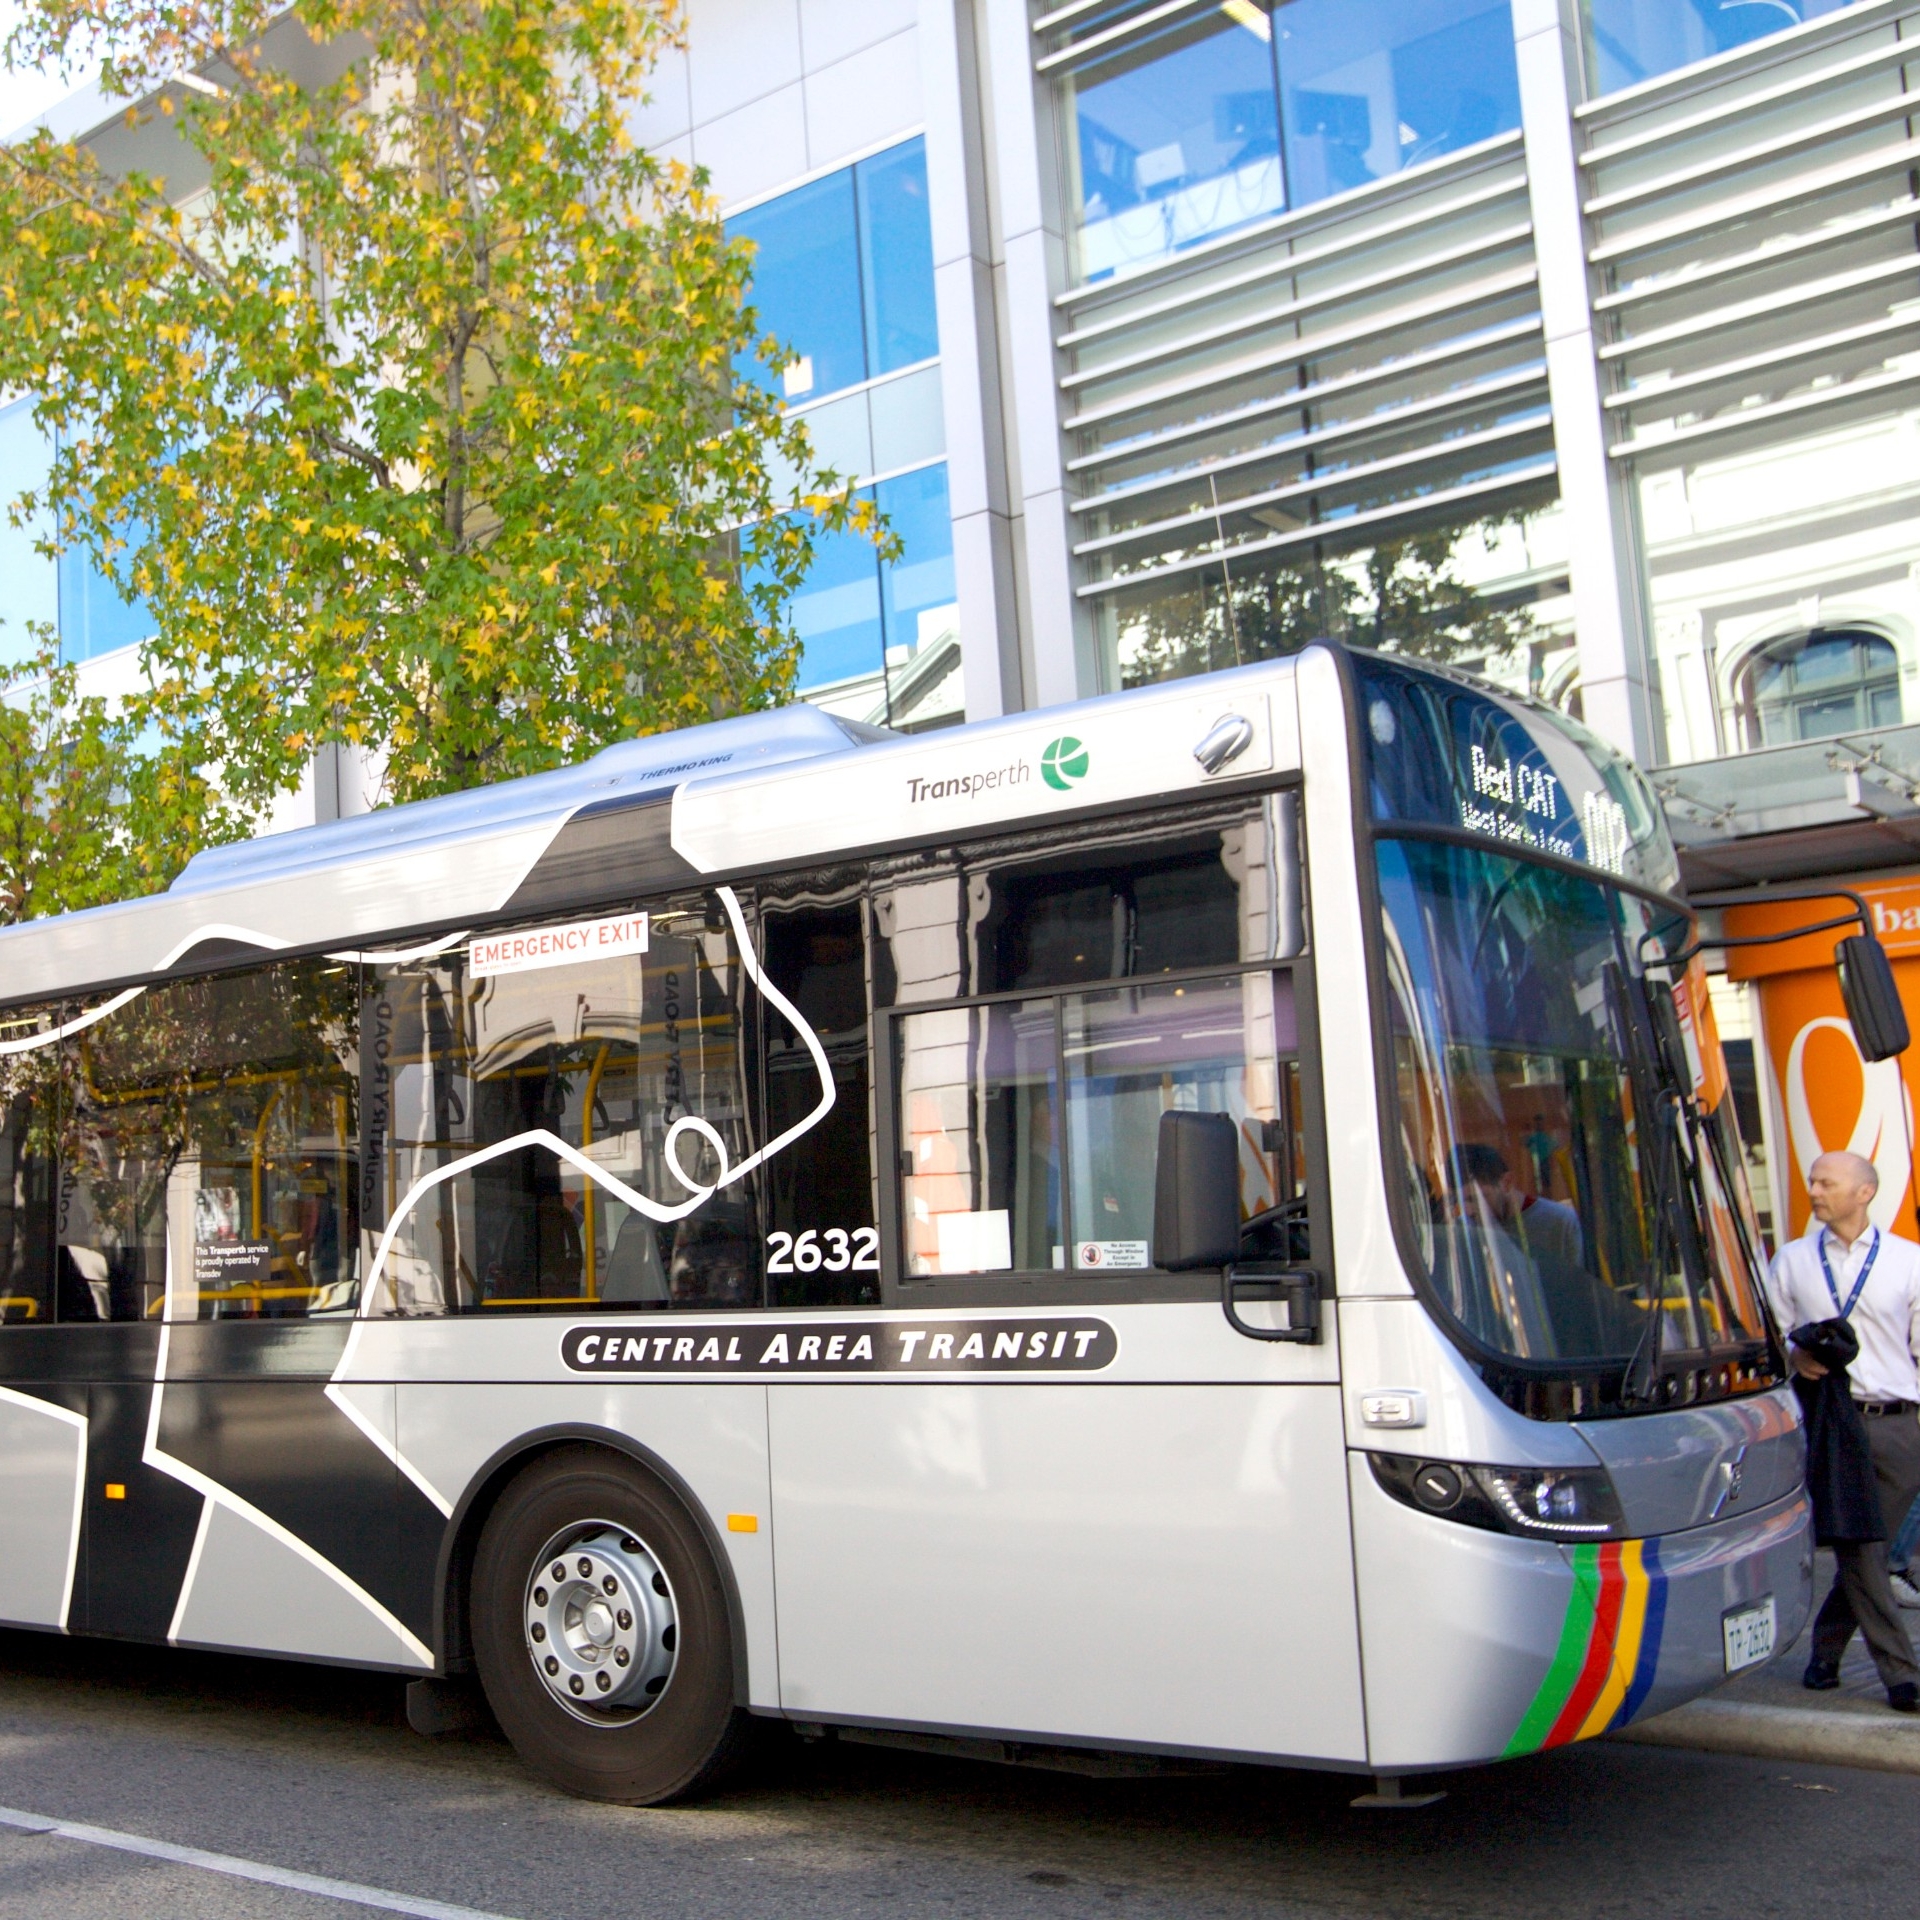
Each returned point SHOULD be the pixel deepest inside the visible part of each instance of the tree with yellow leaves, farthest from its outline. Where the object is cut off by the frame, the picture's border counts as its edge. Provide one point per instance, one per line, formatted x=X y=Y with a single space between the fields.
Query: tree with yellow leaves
x=416 y=403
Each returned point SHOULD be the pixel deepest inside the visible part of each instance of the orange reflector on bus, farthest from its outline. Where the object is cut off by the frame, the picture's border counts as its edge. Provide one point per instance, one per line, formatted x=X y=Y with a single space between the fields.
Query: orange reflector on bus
x=743 y=1523
x=115 y=1491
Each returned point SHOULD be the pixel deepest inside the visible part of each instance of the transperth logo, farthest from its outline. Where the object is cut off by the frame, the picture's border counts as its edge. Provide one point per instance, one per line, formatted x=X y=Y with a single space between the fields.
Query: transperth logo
x=1064 y=763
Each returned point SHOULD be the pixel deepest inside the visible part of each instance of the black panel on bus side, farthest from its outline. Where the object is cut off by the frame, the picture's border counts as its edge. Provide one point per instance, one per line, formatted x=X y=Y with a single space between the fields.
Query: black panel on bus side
x=77 y=1351
x=247 y=1405
x=612 y=850
x=256 y=1349
x=135 y=1548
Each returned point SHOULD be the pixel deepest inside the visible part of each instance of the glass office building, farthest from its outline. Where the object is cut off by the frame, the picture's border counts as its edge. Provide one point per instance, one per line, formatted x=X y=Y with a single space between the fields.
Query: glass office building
x=1576 y=342
x=843 y=280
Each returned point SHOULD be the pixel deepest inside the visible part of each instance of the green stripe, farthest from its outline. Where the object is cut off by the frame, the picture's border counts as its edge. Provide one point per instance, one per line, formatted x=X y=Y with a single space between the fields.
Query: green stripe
x=1575 y=1631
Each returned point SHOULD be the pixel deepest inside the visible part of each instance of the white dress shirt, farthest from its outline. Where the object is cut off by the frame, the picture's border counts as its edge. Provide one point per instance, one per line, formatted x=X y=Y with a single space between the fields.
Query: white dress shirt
x=1886 y=1317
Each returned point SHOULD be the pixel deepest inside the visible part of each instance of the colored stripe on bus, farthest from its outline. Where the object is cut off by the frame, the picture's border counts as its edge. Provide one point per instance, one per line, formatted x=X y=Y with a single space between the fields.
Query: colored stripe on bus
x=1626 y=1646
x=1598 y=1664
x=1648 y=1663
x=1609 y=1649
x=1576 y=1630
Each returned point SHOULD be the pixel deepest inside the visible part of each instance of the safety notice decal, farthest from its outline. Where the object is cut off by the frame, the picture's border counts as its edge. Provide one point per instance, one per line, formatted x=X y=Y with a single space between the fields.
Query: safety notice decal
x=562 y=946
x=1077 y=1345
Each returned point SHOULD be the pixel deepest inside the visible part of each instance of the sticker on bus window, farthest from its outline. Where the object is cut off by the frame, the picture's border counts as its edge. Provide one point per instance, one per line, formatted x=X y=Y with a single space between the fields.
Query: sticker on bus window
x=561 y=946
x=1111 y=1253
x=221 y=1264
x=1078 y=1344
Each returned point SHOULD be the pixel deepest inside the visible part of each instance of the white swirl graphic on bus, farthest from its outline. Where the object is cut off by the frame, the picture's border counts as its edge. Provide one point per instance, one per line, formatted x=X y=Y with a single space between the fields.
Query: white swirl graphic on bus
x=699 y=1191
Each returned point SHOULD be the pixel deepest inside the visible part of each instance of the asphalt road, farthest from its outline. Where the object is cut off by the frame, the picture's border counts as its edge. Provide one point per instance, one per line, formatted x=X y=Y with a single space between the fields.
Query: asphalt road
x=313 y=1770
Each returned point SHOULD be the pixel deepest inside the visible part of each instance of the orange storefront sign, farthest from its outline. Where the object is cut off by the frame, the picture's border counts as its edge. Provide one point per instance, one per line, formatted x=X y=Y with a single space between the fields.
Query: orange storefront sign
x=1824 y=1095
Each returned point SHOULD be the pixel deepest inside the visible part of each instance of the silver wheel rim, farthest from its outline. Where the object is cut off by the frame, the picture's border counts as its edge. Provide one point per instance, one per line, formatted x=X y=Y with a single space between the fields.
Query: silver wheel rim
x=599 y=1623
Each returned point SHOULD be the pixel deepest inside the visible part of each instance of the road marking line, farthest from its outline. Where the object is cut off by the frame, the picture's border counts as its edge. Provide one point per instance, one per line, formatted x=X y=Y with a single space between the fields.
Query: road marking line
x=346 y=1890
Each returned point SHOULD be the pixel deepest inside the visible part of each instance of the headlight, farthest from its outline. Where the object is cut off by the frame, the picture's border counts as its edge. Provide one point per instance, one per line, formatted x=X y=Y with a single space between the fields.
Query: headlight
x=1575 y=1502
x=1541 y=1503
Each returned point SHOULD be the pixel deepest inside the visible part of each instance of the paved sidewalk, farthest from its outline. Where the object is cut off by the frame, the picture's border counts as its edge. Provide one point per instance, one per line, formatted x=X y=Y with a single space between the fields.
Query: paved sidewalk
x=1767 y=1713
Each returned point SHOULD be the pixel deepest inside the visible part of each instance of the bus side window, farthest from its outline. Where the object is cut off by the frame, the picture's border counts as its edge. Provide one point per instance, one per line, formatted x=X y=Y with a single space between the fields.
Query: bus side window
x=29 y=1128
x=1277 y=1228
x=211 y=1145
x=822 y=1246
x=575 y=1073
x=1030 y=1127
x=1088 y=989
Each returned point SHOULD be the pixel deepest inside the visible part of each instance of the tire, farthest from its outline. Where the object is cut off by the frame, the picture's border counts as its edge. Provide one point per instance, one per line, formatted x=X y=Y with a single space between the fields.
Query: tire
x=661 y=1724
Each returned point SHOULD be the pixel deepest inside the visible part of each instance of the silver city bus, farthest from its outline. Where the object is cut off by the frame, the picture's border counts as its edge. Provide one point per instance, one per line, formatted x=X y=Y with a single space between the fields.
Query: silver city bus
x=1202 y=1223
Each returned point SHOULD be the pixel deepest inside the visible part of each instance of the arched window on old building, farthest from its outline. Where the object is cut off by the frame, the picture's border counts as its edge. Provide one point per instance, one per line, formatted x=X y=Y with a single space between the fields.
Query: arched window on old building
x=1832 y=680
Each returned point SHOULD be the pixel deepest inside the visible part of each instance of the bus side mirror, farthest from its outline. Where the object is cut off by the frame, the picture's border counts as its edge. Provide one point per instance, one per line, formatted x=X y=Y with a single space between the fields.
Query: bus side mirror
x=1872 y=999
x=1196 y=1192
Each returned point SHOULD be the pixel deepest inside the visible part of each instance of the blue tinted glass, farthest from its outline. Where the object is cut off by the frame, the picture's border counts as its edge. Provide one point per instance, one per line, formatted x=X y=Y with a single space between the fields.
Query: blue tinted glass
x=1629 y=40
x=1176 y=139
x=1371 y=86
x=836 y=613
x=28 y=586
x=93 y=617
x=806 y=285
x=921 y=580
x=896 y=258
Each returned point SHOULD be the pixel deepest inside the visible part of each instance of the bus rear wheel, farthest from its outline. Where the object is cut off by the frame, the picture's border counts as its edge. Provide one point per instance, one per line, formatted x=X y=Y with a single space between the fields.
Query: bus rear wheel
x=600 y=1630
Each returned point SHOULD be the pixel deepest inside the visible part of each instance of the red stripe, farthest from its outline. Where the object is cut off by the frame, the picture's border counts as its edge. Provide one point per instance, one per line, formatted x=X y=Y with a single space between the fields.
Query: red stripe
x=1600 y=1646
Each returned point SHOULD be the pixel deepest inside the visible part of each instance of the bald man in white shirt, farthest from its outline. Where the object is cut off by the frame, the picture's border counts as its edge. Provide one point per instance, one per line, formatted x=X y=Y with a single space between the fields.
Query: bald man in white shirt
x=1846 y=1268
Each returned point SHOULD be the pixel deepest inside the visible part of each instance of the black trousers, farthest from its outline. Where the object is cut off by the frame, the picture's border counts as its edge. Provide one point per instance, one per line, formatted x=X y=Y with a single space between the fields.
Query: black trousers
x=1862 y=1594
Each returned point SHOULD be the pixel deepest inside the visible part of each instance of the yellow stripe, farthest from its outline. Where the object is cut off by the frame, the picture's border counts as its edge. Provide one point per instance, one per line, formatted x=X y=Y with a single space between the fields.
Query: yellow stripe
x=1626 y=1645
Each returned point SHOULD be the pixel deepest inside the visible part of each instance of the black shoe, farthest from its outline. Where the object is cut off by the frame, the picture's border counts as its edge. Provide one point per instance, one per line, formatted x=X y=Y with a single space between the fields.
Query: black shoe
x=1904 y=1697
x=1819 y=1677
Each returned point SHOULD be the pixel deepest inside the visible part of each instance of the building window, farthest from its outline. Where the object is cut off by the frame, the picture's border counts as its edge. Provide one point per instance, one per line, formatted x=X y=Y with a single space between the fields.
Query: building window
x=1486 y=589
x=1633 y=40
x=1236 y=113
x=70 y=593
x=31 y=595
x=1840 y=680
x=94 y=619
x=843 y=274
x=1177 y=138
x=867 y=626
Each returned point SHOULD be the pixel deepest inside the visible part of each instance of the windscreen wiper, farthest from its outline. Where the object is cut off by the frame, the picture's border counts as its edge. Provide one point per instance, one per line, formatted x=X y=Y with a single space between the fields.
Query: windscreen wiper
x=1644 y=1370
x=1655 y=1077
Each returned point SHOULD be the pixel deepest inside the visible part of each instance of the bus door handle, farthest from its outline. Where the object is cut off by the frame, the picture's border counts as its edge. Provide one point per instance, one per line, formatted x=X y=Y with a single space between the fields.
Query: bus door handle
x=1299 y=1288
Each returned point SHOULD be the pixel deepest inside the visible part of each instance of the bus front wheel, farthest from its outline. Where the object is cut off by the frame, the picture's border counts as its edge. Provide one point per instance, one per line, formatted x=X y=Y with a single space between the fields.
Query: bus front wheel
x=601 y=1634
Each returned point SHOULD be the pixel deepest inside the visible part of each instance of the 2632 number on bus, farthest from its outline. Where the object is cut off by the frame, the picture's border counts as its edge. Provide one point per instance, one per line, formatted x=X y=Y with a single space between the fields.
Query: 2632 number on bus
x=836 y=1250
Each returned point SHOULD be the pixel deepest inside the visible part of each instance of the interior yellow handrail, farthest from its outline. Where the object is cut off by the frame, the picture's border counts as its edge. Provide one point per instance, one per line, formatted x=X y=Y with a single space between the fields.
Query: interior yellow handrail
x=586 y=1140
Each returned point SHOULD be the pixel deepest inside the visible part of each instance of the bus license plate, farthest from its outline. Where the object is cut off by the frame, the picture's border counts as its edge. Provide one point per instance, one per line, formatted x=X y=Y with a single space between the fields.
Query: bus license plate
x=1748 y=1635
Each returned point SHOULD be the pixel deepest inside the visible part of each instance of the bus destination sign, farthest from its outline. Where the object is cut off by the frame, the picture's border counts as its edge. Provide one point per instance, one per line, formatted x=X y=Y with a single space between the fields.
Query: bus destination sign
x=1079 y=1344
x=1445 y=754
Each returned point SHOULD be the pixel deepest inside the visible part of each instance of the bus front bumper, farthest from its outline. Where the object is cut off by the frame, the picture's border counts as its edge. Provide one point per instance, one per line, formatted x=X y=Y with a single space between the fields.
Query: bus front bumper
x=1480 y=1646
x=1646 y=1622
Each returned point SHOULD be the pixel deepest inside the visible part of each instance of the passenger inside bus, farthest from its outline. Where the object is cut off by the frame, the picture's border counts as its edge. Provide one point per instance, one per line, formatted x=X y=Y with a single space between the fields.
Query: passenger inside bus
x=1518 y=1259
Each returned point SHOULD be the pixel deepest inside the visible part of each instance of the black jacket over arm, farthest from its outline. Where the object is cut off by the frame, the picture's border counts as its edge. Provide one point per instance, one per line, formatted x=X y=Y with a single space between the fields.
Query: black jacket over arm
x=1846 y=1501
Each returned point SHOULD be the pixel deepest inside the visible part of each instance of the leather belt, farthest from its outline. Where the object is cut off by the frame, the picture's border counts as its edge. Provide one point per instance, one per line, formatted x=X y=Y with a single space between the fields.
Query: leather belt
x=1881 y=1408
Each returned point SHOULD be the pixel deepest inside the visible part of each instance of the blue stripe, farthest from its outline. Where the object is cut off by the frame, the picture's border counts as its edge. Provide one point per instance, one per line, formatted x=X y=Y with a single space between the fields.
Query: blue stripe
x=1649 y=1661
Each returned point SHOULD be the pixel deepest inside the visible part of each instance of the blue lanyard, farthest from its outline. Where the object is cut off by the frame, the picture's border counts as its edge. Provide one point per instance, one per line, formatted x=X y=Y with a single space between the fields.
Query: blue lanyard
x=1873 y=1254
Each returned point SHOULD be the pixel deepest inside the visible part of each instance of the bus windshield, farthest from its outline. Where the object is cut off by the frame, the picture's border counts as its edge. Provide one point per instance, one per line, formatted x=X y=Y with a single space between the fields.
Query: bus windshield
x=1577 y=1208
